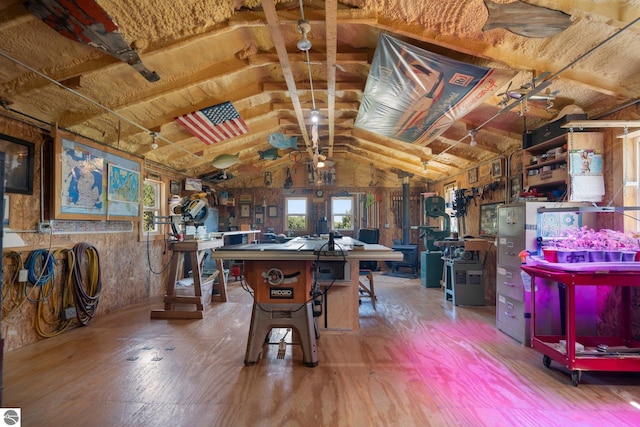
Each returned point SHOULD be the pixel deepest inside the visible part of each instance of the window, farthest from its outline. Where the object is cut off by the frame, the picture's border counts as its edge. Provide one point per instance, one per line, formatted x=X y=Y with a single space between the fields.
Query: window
x=296 y=213
x=342 y=213
x=449 y=197
x=631 y=177
x=151 y=198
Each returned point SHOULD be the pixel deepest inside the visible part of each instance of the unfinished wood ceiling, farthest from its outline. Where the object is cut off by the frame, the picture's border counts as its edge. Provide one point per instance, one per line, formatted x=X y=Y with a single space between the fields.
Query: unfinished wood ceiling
x=207 y=52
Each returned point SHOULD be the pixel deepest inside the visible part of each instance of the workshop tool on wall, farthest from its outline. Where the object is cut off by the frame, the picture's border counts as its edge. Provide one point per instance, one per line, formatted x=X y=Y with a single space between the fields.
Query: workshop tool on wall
x=489 y=189
x=460 y=204
x=288 y=182
x=294 y=156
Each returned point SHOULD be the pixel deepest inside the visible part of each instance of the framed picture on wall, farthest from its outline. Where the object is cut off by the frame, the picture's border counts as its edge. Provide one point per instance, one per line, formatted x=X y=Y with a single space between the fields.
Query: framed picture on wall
x=193 y=184
x=496 y=168
x=272 y=211
x=18 y=168
x=245 y=210
x=489 y=219
x=473 y=176
x=174 y=187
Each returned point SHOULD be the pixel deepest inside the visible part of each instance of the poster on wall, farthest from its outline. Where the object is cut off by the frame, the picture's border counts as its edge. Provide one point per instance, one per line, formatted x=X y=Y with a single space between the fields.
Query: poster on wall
x=414 y=95
x=93 y=181
x=587 y=179
x=124 y=185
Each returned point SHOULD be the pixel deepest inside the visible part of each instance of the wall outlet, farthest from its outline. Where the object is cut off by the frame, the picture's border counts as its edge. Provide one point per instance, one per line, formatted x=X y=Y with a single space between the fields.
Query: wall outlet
x=386 y=226
x=23 y=275
x=44 y=227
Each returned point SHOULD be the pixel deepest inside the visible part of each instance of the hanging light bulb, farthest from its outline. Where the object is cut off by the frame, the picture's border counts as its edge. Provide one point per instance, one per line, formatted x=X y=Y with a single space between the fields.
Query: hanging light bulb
x=154 y=144
x=472 y=134
x=315 y=115
x=304 y=28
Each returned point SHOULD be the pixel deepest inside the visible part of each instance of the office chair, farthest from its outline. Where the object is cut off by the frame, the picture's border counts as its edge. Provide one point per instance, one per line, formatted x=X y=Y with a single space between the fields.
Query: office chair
x=368 y=235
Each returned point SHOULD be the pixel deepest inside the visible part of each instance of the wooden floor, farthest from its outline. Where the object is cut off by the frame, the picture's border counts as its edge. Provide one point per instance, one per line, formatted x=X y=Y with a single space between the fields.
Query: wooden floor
x=417 y=361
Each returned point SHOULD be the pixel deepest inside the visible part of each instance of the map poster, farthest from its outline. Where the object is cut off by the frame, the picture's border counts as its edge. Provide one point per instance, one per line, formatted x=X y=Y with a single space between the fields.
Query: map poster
x=93 y=182
x=81 y=190
x=124 y=185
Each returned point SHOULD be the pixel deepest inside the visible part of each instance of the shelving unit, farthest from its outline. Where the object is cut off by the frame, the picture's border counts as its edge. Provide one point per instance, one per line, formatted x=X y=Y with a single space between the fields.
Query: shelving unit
x=547 y=166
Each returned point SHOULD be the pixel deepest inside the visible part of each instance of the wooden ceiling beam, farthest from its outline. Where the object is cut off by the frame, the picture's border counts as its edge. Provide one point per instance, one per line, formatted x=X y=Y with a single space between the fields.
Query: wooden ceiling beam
x=343 y=58
x=322 y=106
x=331 y=8
x=280 y=45
x=419 y=150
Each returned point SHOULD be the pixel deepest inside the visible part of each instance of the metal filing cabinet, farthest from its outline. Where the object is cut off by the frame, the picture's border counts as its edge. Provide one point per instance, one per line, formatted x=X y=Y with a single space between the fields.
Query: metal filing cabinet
x=519 y=226
x=516 y=231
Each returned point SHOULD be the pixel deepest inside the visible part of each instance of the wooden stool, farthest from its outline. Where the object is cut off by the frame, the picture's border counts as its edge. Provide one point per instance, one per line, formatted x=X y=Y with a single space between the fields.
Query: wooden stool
x=369 y=290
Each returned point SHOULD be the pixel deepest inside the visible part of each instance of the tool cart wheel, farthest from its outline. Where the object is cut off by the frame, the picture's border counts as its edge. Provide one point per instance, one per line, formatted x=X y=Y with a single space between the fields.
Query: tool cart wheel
x=575 y=377
x=546 y=361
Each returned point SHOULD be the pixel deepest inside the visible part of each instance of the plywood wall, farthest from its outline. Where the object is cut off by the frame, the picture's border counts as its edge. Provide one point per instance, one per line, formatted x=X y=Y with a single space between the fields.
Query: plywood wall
x=126 y=275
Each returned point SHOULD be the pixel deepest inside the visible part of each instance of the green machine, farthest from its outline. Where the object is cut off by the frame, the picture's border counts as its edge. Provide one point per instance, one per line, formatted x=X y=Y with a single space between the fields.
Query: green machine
x=431 y=263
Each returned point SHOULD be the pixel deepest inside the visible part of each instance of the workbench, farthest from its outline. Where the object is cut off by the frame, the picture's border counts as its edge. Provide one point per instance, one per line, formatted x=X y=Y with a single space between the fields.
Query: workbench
x=602 y=352
x=195 y=250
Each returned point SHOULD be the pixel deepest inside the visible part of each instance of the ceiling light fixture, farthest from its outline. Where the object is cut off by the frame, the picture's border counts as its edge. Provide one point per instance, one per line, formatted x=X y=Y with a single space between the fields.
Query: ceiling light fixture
x=315 y=115
x=304 y=45
x=154 y=144
x=304 y=28
x=472 y=134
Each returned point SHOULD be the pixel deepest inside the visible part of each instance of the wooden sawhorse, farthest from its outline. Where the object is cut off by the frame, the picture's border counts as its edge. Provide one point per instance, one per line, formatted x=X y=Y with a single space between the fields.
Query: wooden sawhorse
x=196 y=250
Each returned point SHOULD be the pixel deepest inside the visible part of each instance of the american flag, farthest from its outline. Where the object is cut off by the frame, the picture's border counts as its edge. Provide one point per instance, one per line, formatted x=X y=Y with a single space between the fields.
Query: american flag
x=214 y=124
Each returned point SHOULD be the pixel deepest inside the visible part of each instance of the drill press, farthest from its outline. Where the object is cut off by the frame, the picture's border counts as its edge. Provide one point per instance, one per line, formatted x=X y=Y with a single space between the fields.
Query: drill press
x=431 y=258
